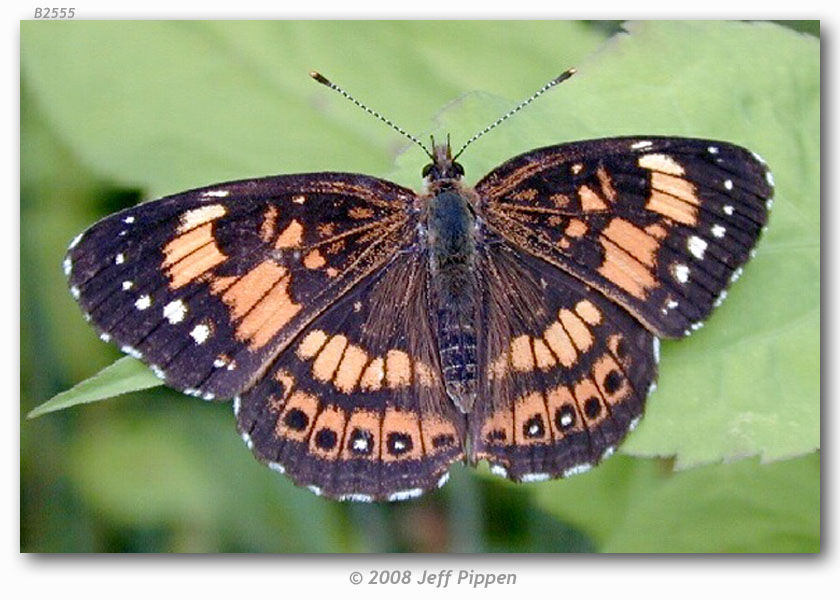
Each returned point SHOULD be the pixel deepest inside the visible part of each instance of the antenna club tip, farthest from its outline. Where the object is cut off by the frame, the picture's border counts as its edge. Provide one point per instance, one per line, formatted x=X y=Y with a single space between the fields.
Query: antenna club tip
x=565 y=75
x=319 y=78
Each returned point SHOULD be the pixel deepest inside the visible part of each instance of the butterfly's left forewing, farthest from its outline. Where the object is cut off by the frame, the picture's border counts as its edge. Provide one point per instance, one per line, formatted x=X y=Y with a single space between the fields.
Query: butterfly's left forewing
x=659 y=225
x=209 y=285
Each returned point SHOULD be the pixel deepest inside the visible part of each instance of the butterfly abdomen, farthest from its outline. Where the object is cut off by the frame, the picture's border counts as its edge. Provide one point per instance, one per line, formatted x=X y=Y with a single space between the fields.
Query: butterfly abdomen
x=453 y=294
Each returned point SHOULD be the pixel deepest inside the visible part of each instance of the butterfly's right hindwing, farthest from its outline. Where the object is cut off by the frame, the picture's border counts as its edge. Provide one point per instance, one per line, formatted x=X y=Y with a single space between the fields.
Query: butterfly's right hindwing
x=206 y=286
x=355 y=409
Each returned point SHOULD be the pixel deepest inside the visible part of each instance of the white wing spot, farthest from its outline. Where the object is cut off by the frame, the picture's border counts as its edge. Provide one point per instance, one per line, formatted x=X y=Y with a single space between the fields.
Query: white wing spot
x=533 y=477
x=736 y=275
x=640 y=145
x=105 y=337
x=247 y=439
x=712 y=149
x=681 y=273
x=68 y=266
x=200 y=333
x=276 y=466
x=299 y=199
x=74 y=291
x=651 y=388
x=131 y=351
x=237 y=402
x=158 y=372
x=718 y=230
x=635 y=422
x=577 y=469
x=356 y=498
x=75 y=241
x=127 y=285
x=608 y=452
x=223 y=360
x=769 y=177
x=758 y=158
x=215 y=194
x=405 y=495
x=697 y=246
x=719 y=300
x=119 y=259
x=769 y=203
x=697 y=325
x=360 y=444
x=498 y=470
x=143 y=302
x=728 y=209
x=175 y=311
x=656 y=349
x=128 y=220
x=728 y=184
x=673 y=304
x=442 y=481
x=566 y=419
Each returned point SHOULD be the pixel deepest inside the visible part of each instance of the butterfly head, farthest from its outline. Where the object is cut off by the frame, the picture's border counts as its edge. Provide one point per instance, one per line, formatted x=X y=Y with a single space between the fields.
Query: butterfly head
x=443 y=167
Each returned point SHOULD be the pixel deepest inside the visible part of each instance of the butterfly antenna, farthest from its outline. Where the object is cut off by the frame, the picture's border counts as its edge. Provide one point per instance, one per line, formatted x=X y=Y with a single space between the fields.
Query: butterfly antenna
x=323 y=80
x=517 y=108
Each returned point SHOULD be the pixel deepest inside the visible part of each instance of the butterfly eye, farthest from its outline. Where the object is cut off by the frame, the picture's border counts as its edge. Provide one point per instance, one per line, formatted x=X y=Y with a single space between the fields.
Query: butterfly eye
x=427 y=169
x=459 y=170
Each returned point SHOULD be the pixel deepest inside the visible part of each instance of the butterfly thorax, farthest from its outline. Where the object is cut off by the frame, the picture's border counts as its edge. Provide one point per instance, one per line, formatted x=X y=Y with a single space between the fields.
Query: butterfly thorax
x=453 y=287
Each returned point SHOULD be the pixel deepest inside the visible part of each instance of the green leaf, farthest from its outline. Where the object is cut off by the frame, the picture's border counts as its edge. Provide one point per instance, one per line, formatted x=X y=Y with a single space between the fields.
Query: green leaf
x=639 y=505
x=125 y=375
x=740 y=507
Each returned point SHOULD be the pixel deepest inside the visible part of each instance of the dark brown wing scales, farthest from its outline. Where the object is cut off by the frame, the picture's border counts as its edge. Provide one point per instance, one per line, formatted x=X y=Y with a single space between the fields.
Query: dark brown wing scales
x=208 y=285
x=355 y=407
x=565 y=371
x=660 y=225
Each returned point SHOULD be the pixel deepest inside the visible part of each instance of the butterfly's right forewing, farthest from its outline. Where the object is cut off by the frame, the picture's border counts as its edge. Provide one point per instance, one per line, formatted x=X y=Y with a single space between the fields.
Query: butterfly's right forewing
x=207 y=286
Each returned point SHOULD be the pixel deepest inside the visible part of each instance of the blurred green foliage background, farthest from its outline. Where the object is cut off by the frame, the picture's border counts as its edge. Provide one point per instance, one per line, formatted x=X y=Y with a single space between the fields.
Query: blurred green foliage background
x=113 y=113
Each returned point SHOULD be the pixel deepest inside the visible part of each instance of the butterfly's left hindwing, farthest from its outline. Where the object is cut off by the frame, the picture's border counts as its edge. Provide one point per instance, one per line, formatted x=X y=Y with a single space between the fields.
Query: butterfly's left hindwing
x=208 y=285
x=659 y=225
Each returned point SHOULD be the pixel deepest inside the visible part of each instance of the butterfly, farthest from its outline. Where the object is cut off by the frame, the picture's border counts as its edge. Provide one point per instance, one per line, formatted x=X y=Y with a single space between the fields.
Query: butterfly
x=372 y=336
